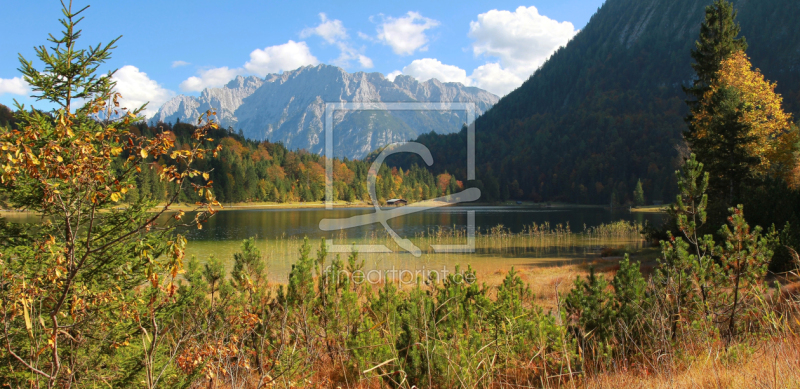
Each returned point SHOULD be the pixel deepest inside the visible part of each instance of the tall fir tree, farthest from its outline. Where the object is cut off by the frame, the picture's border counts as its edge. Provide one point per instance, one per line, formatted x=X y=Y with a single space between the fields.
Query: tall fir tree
x=638 y=194
x=718 y=145
x=723 y=147
x=718 y=40
x=93 y=274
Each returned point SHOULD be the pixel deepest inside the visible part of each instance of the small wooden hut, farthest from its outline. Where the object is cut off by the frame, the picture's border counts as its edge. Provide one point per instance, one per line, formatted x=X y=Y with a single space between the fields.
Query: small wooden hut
x=396 y=202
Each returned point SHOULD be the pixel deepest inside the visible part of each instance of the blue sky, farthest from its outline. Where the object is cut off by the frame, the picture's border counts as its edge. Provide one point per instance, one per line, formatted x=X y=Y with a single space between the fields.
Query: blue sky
x=179 y=47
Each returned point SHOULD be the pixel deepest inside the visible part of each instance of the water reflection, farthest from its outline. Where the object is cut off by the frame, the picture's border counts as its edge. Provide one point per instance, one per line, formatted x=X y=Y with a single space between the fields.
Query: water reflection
x=279 y=235
x=270 y=224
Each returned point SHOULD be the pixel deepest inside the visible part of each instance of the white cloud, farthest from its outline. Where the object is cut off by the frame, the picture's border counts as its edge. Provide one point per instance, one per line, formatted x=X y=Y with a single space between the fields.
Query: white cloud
x=176 y=64
x=427 y=68
x=333 y=32
x=273 y=59
x=365 y=61
x=136 y=89
x=288 y=56
x=391 y=76
x=493 y=78
x=522 y=41
x=406 y=34
x=330 y=30
x=210 y=78
x=14 y=86
x=348 y=54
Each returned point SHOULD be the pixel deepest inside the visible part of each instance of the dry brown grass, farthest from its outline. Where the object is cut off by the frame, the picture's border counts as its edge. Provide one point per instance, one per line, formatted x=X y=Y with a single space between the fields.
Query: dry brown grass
x=552 y=282
x=548 y=283
x=773 y=363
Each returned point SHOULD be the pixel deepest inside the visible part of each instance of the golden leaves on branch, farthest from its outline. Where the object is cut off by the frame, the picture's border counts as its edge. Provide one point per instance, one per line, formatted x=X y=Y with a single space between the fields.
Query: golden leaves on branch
x=771 y=127
x=84 y=158
x=221 y=356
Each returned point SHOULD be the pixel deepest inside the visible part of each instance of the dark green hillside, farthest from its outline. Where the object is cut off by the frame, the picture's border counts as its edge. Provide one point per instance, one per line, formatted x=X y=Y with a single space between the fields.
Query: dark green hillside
x=607 y=110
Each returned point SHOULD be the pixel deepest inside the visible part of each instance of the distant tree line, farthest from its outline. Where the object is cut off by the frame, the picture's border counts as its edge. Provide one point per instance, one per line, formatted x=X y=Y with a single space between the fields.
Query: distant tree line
x=262 y=171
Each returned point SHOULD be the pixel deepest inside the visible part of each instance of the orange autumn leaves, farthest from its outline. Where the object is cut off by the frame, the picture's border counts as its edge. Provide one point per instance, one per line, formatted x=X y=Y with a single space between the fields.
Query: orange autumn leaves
x=775 y=139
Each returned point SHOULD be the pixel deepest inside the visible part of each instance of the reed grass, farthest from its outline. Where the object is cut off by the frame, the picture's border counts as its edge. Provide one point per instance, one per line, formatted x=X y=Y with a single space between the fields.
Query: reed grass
x=497 y=247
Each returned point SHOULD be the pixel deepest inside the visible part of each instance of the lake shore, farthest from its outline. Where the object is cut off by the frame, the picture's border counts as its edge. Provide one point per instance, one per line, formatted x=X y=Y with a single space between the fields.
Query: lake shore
x=364 y=204
x=651 y=209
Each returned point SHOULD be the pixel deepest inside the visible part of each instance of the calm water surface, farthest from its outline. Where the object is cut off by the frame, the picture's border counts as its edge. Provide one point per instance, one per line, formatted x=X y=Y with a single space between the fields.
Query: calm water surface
x=270 y=224
x=279 y=235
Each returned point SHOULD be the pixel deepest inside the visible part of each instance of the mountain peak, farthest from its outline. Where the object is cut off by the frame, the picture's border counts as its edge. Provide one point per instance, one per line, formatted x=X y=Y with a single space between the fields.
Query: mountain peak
x=241 y=81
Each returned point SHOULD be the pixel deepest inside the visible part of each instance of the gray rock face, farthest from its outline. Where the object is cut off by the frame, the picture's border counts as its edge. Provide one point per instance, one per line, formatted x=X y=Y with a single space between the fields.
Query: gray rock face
x=223 y=100
x=290 y=108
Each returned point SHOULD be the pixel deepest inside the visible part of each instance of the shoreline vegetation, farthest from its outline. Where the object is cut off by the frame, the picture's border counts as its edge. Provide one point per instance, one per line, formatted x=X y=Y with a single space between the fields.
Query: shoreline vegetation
x=496 y=248
x=364 y=204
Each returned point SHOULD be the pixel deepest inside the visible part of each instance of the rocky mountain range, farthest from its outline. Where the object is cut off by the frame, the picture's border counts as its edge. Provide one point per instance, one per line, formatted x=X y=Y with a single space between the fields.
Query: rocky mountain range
x=290 y=107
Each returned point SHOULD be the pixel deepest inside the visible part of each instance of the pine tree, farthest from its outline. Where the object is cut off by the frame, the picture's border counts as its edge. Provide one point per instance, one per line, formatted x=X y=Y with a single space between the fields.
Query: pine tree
x=723 y=148
x=592 y=304
x=630 y=297
x=718 y=40
x=94 y=273
x=248 y=266
x=719 y=139
x=638 y=194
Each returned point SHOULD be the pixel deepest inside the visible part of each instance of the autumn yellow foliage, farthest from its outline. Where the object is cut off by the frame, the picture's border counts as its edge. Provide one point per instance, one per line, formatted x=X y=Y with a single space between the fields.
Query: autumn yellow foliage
x=775 y=139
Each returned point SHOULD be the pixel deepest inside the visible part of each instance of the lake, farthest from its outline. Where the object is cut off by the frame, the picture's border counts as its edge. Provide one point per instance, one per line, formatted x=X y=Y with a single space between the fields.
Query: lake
x=561 y=235
x=280 y=232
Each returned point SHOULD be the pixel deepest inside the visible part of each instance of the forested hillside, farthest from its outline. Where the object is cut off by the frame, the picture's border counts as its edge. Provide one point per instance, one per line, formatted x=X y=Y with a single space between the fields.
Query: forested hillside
x=603 y=114
x=248 y=171
x=608 y=109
